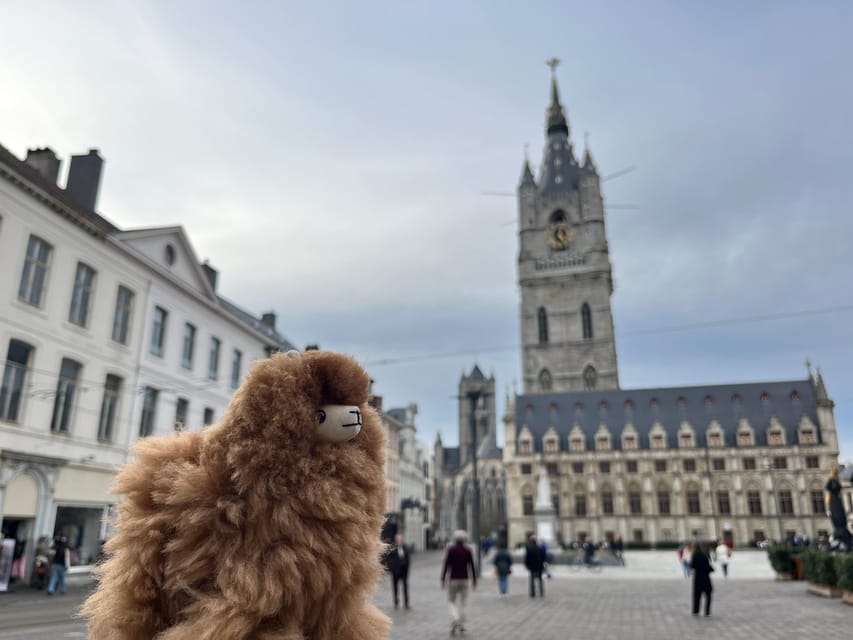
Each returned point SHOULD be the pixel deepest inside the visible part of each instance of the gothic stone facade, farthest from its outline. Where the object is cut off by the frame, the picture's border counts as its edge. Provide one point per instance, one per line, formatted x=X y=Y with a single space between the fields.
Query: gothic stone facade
x=736 y=461
x=453 y=466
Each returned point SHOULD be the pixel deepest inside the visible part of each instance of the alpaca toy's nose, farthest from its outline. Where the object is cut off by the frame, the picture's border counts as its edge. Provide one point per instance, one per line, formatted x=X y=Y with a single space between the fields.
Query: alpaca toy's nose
x=338 y=422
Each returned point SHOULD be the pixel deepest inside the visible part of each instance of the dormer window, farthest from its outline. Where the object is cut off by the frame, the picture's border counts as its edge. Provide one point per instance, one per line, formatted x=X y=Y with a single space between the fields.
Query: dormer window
x=551 y=445
x=576 y=444
x=715 y=439
x=686 y=440
x=744 y=438
x=629 y=442
x=658 y=441
x=602 y=443
x=525 y=447
x=776 y=438
x=807 y=436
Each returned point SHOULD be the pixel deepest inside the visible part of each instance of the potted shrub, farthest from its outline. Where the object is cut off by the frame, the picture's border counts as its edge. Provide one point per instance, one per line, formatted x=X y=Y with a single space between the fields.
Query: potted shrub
x=781 y=560
x=844 y=568
x=821 y=575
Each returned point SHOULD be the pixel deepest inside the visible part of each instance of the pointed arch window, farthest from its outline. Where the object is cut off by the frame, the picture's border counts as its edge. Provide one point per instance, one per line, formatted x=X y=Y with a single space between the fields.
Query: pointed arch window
x=545 y=380
x=542 y=316
x=586 y=321
x=590 y=378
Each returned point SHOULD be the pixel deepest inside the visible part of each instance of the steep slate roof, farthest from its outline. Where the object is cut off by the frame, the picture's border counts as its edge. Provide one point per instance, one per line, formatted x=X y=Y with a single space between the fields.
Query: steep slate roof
x=534 y=411
x=398 y=414
x=489 y=450
x=245 y=317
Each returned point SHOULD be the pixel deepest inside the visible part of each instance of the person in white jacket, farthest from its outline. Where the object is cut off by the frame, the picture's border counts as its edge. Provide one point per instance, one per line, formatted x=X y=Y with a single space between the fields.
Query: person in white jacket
x=723 y=555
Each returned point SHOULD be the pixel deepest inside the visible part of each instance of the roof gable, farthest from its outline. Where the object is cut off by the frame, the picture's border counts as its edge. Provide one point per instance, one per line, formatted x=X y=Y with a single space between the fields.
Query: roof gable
x=170 y=250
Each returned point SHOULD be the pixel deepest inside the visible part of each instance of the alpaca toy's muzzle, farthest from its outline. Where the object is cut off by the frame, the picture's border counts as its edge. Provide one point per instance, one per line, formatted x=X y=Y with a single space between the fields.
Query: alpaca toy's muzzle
x=338 y=422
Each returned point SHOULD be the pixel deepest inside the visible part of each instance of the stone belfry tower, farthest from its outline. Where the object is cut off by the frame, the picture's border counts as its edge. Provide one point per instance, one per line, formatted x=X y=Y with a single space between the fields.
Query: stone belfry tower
x=564 y=269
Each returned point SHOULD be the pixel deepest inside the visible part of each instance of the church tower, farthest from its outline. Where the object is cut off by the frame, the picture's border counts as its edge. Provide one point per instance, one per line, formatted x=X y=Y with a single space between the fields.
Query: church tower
x=564 y=271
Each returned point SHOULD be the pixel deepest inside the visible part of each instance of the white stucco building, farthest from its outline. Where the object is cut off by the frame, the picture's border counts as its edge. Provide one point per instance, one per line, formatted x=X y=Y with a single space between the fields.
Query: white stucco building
x=107 y=335
x=413 y=502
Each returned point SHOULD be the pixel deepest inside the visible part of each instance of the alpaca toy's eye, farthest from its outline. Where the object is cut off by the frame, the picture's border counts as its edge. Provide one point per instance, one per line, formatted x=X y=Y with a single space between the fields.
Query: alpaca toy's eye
x=321 y=416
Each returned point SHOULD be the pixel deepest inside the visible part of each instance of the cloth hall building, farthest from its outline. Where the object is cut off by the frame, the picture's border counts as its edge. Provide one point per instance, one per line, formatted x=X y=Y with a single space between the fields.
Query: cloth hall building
x=738 y=461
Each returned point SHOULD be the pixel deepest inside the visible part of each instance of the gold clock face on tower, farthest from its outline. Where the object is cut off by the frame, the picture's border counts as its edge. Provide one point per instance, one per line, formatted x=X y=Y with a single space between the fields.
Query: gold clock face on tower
x=560 y=235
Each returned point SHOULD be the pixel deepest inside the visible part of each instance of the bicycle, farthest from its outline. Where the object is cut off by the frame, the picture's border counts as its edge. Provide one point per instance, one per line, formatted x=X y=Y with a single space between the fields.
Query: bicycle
x=580 y=562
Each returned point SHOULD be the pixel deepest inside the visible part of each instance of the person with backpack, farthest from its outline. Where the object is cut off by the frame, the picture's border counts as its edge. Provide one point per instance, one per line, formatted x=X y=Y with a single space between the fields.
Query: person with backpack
x=503 y=569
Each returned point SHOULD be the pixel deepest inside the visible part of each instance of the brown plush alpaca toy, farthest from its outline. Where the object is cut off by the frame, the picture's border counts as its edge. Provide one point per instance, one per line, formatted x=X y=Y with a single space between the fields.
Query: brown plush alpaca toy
x=265 y=526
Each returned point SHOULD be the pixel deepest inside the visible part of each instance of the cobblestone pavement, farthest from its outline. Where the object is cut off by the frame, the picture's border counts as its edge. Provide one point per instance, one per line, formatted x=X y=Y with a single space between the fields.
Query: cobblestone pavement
x=610 y=605
x=647 y=599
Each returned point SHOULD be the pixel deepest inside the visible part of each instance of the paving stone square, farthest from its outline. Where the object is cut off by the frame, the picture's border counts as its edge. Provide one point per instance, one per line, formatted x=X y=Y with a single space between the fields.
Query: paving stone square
x=618 y=603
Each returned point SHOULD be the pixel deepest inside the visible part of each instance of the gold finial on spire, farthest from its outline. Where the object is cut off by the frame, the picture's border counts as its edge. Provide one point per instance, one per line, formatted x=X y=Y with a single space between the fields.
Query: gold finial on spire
x=553 y=63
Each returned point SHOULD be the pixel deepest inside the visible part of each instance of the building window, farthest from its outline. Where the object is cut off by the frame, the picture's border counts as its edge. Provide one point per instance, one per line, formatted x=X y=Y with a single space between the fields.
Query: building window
x=545 y=380
x=723 y=505
x=84 y=281
x=689 y=466
x=686 y=440
x=236 y=365
x=807 y=436
x=811 y=462
x=631 y=466
x=693 y=502
x=526 y=469
x=527 y=505
x=213 y=363
x=14 y=380
x=577 y=468
x=786 y=503
x=749 y=464
x=552 y=469
x=660 y=466
x=604 y=467
x=109 y=408
x=182 y=407
x=188 y=349
x=780 y=462
x=149 y=411
x=551 y=445
x=718 y=464
x=637 y=535
x=663 y=503
x=658 y=441
x=586 y=321
x=753 y=503
x=158 y=331
x=576 y=444
x=31 y=288
x=635 y=502
x=524 y=447
x=590 y=378
x=715 y=440
x=603 y=443
x=66 y=389
x=542 y=317
x=121 y=319
x=208 y=416
x=775 y=438
x=607 y=503
x=629 y=442
x=818 y=504
x=555 y=501
x=580 y=506
x=744 y=438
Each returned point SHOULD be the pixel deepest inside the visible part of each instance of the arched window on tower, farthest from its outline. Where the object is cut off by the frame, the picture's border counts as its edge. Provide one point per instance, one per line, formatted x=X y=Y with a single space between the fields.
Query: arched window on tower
x=586 y=321
x=590 y=378
x=545 y=380
x=543 y=325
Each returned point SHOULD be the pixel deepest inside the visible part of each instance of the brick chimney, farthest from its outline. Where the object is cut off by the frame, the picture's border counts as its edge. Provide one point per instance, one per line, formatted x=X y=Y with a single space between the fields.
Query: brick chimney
x=84 y=179
x=211 y=273
x=44 y=161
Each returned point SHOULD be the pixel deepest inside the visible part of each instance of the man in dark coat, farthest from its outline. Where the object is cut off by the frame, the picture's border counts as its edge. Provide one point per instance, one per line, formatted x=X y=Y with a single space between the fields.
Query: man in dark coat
x=535 y=562
x=397 y=563
x=701 y=566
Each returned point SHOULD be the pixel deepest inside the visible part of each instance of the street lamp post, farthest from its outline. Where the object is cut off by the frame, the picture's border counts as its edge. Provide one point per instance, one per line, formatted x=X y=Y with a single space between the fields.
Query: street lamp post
x=475 y=507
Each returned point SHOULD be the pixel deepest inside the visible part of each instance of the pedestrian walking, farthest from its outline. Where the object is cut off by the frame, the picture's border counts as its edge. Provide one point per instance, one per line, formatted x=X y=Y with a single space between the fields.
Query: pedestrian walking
x=723 y=555
x=61 y=564
x=702 y=569
x=397 y=564
x=459 y=566
x=619 y=550
x=685 y=555
x=535 y=563
x=503 y=569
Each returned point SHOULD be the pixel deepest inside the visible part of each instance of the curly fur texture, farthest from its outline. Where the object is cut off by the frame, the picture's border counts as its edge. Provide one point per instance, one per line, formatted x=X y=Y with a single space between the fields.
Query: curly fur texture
x=252 y=528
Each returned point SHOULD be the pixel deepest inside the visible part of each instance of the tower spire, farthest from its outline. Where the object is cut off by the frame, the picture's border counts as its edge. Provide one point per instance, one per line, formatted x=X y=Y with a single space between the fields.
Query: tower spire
x=557 y=122
x=588 y=162
x=526 y=174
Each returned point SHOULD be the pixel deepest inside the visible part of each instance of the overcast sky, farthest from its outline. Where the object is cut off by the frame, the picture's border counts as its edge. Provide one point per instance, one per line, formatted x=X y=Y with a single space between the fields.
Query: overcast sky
x=330 y=161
